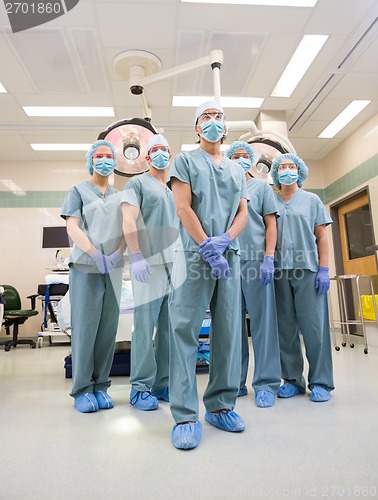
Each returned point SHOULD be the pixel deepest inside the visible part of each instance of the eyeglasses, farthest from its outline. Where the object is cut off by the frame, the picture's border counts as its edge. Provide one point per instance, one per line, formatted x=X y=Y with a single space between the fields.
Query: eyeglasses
x=208 y=116
x=291 y=166
x=236 y=156
x=158 y=148
x=107 y=156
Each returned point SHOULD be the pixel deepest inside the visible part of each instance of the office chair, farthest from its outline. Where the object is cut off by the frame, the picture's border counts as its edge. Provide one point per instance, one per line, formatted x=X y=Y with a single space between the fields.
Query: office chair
x=14 y=315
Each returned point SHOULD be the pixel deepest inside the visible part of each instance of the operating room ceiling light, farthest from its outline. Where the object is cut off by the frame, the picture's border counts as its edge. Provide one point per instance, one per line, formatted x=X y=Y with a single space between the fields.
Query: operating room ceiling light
x=227 y=102
x=129 y=138
x=275 y=3
x=307 y=50
x=73 y=111
x=346 y=116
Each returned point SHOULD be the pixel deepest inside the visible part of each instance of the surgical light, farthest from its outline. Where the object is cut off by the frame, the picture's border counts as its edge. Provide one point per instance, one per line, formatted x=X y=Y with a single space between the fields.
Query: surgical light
x=129 y=138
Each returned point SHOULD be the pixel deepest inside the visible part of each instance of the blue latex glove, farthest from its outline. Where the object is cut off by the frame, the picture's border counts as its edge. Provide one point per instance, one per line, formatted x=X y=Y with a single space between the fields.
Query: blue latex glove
x=267 y=270
x=322 y=280
x=114 y=259
x=140 y=268
x=101 y=261
x=215 y=244
x=219 y=266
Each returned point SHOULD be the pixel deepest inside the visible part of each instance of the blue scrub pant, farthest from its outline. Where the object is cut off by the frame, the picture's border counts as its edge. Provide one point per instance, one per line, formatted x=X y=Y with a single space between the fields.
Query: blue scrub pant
x=260 y=303
x=301 y=310
x=94 y=300
x=187 y=306
x=150 y=360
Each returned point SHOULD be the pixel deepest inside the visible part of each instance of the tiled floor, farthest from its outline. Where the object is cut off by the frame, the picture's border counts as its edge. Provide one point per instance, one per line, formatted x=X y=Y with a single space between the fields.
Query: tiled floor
x=296 y=449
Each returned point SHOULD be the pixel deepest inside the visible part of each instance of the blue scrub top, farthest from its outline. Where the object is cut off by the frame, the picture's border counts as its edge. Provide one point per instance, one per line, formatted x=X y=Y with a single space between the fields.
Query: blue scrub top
x=261 y=202
x=296 y=242
x=157 y=222
x=216 y=192
x=100 y=218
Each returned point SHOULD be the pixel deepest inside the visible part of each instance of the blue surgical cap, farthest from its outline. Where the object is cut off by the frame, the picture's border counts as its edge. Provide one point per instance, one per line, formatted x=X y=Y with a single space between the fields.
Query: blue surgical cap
x=156 y=140
x=302 y=168
x=235 y=146
x=92 y=151
x=204 y=106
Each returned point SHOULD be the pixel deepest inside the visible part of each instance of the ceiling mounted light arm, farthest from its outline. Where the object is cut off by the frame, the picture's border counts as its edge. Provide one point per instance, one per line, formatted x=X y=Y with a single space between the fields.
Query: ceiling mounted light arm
x=142 y=68
x=272 y=134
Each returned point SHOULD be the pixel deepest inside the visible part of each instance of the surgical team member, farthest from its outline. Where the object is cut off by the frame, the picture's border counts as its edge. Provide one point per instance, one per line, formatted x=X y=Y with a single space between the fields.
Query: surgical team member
x=94 y=224
x=302 y=282
x=211 y=202
x=257 y=245
x=150 y=226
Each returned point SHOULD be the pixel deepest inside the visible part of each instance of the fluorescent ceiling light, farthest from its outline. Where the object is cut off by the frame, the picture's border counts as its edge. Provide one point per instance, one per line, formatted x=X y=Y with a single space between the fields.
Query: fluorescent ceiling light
x=68 y=111
x=301 y=60
x=191 y=147
x=3 y=90
x=276 y=3
x=343 y=119
x=60 y=147
x=227 y=102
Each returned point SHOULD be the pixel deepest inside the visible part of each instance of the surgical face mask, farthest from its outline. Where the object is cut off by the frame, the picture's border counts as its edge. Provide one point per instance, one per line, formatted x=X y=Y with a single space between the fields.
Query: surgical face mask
x=287 y=176
x=160 y=159
x=244 y=163
x=103 y=166
x=212 y=130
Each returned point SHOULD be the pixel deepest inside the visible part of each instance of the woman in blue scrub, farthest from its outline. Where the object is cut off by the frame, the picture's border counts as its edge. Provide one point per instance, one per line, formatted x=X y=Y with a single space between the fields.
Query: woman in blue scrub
x=257 y=245
x=210 y=196
x=94 y=223
x=150 y=226
x=301 y=282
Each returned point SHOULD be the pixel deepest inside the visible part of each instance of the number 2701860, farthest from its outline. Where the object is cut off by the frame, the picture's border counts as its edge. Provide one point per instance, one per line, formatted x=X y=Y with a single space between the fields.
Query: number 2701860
x=34 y=8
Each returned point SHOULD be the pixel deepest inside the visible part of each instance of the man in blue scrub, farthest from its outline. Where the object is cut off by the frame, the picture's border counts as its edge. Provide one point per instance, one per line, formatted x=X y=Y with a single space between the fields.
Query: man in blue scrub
x=301 y=282
x=94 y=224
x=150 y=226
x=257 y=245
x=211 y=202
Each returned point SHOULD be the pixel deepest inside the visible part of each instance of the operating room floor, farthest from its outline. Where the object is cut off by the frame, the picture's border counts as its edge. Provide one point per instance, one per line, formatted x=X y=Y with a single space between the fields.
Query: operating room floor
x=296 y=449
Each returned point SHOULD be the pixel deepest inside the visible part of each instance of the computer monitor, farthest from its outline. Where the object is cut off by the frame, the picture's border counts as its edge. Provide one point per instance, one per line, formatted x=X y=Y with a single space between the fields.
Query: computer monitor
x=55 y=237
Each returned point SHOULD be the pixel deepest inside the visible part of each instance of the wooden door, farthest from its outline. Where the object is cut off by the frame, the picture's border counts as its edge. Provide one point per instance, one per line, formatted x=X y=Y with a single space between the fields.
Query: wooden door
x=356 y=235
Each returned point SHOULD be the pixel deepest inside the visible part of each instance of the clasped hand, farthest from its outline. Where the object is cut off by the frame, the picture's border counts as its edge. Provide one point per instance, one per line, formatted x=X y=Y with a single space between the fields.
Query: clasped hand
x=215 y=245
x=106 y=263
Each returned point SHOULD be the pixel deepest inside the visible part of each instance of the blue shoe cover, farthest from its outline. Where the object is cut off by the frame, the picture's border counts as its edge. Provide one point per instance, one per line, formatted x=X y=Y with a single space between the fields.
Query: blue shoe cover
x=288 y=391
x=86 y=403
x=319 y=394
x=229 y=421
x=264 y=399
x=105 y=402
x=162 y=394
x=243 y=391
x=186 y=436
x=143 y=400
